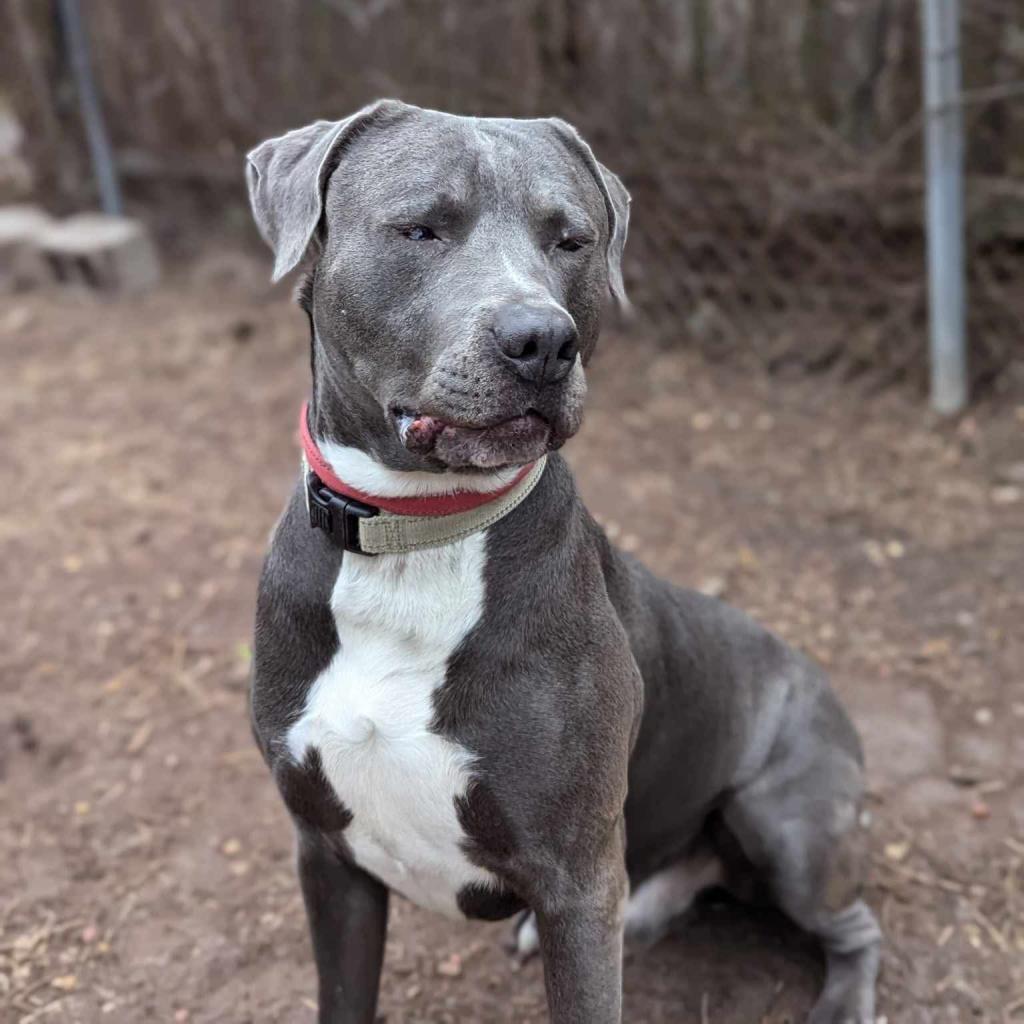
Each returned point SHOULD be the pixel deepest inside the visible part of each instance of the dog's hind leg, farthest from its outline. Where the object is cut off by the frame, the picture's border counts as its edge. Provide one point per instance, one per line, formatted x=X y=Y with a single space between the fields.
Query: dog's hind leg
x=801 y=825
x=668 y=894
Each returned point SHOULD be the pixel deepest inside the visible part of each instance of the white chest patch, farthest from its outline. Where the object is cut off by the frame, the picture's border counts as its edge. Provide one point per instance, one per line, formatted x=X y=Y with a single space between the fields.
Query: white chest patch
x=399 y=619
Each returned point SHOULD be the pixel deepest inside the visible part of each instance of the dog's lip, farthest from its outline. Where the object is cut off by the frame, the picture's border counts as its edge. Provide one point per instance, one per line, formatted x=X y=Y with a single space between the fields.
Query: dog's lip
x=404 y=416
x=419 y=432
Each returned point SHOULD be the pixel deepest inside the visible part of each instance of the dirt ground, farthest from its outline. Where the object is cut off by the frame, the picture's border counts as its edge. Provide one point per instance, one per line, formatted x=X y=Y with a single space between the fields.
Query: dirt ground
x=145 y=859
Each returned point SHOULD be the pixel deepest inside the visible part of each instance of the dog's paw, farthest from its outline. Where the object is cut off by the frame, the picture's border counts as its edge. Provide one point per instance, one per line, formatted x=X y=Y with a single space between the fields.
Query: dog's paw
x=524 y=942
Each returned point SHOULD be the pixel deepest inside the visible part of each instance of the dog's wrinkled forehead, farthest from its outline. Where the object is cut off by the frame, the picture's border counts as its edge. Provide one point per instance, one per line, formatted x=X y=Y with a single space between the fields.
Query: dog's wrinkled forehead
x=393 y=158
x=465 y=162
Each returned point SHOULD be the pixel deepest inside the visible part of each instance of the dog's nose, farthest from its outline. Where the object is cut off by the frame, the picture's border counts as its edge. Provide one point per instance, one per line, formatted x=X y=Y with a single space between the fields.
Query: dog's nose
x=539 y=342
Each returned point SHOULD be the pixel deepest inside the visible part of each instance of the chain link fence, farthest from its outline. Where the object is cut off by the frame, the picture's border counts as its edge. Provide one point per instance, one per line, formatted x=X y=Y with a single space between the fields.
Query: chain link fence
x=773 y=147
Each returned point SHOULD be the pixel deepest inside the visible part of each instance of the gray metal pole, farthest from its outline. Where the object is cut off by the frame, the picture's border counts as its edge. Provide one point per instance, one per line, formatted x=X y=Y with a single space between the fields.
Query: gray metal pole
x=92 y=113
x=944 y=148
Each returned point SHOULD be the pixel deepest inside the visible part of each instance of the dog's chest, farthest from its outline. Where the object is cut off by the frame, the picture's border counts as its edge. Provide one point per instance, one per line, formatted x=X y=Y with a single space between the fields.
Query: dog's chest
x=399 y=619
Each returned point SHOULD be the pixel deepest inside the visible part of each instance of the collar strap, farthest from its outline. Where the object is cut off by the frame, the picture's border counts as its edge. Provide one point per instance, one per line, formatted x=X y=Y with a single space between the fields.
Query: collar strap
x=372 y=525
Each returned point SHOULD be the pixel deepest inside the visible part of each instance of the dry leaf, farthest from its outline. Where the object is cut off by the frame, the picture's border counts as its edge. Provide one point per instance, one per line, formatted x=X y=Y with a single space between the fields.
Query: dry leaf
x=897 y=851
x=140 y=737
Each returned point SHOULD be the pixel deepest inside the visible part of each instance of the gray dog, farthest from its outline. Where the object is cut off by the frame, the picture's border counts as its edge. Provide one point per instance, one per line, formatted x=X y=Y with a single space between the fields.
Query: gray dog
x=463 y=691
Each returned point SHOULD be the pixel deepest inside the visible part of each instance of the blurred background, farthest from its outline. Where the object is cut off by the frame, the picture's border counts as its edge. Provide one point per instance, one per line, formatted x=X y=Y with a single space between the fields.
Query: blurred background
x=773 y=428
x=773 y=147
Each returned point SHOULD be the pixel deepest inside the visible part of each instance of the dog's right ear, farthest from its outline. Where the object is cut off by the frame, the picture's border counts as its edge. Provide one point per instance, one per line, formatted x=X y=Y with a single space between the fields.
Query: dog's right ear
x=288 y=177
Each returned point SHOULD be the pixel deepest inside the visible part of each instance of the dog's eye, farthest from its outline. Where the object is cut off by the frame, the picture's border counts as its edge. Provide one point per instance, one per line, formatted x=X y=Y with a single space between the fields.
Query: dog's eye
x=418 y=233
x=571 y=244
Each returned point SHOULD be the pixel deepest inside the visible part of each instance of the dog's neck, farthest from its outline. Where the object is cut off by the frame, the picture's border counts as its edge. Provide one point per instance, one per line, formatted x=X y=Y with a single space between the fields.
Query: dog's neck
x=370 y=509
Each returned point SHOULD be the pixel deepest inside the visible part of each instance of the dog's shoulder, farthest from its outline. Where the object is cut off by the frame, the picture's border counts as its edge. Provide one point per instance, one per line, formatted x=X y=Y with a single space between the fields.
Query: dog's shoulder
x=295 y=634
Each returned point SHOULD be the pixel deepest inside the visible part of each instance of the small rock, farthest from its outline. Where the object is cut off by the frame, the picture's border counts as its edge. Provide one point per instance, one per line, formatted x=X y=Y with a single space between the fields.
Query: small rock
x=897 y=851
x=1006 y=495
x=983 y=716
x=451 y=967
x=713 y=586
x=895 y=549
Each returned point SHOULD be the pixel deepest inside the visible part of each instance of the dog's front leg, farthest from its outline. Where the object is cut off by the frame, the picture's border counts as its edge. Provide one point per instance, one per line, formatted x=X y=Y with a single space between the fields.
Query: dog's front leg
x=581 y=946
x=348 y=912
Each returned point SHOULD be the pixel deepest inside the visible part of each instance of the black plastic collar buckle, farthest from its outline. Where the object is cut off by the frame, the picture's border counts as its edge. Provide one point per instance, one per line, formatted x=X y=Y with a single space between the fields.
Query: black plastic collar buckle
x=335 y=514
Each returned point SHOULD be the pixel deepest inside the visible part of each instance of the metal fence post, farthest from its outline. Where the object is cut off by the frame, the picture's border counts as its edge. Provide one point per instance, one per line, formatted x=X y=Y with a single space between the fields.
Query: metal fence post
x=77 y=44
x=944 y=148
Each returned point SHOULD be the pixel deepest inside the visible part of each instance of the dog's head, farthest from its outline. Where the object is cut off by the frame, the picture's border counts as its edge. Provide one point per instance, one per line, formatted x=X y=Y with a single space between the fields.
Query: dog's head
x=459 y=267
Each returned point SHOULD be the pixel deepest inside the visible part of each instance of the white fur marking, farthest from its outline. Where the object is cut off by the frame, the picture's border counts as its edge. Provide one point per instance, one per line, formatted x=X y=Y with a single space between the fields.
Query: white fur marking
x=651 y=908
x=366 y=474
x=527 y=937
x=399 y=619
x=669 y=893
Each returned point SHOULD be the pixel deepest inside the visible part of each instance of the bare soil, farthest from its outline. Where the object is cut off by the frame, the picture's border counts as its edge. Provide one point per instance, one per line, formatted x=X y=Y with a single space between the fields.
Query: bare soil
x=145 y=859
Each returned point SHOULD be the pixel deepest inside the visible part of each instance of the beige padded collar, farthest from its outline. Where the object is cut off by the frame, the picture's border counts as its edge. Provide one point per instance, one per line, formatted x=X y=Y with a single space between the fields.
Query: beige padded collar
x=390 y=534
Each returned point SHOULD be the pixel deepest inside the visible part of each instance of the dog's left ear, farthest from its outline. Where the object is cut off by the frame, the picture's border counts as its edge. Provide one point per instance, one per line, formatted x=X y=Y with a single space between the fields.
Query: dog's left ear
x=616 y=200
x=288 y=178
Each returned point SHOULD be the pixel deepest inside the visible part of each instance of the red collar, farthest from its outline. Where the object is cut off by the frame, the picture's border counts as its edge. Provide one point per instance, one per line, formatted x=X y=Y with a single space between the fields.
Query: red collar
x=428 y=505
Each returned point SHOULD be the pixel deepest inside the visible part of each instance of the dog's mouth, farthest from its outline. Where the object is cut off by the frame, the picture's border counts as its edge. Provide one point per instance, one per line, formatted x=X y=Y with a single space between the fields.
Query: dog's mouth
x=509 y=442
